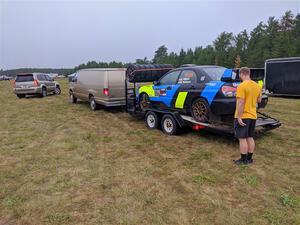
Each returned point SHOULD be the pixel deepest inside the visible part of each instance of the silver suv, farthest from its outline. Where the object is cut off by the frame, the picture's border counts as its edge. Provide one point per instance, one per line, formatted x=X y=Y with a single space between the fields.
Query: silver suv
x=35 y=84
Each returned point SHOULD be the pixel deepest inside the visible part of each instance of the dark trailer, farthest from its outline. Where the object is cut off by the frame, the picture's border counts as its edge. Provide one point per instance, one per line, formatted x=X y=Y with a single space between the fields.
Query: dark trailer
x=283 y=76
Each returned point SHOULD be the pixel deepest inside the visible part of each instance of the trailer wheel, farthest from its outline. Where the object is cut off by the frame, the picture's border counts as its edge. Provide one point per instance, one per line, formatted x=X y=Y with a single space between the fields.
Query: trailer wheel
x=151 y=120
x=169 y=125
x=200 y=110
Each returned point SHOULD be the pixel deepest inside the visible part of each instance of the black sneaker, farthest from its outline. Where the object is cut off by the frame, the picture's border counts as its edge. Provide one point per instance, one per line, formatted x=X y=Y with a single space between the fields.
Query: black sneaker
x=240 y=162
x=250 y=161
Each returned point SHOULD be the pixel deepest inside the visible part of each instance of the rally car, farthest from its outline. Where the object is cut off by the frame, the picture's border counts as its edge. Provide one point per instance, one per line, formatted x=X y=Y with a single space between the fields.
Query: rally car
x=205 y=92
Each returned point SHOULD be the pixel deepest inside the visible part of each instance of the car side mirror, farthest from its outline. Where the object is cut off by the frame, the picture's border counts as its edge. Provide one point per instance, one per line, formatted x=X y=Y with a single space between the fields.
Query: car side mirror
x=155 y=82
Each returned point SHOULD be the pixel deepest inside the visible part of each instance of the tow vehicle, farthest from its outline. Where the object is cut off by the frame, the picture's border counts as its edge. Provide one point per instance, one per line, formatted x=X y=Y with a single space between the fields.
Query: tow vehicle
x=171 y=121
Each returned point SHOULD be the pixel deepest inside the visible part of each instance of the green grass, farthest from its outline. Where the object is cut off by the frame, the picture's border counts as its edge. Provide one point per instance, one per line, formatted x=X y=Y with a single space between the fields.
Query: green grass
x=61 y=163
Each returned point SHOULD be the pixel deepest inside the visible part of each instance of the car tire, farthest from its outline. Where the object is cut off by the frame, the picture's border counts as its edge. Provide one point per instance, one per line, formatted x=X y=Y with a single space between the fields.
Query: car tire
x=200 y=110
x=144 y=101
x=151 y=120
x=93 y=104
x=73 y=99
x=57 y=90
x=169 y=125
x=21 y=95
x=44 y=92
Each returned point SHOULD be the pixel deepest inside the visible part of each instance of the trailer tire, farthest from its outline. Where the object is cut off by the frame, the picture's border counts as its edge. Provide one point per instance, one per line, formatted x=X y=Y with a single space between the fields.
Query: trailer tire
x=200 y=110
x=169 y=125
x=151 y=120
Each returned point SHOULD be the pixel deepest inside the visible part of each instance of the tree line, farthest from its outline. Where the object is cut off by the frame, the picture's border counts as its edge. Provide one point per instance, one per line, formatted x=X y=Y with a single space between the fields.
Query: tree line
x=274 y=39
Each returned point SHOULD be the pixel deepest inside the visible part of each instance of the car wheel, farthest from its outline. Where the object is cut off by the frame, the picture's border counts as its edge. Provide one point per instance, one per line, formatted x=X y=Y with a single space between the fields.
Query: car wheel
x=57 y=90
x=93 y=104
x=44 y=92
x=73 y=99
x=169 y=125
x=200 y=110
x=151 y=120
x=144 y=101
x=21 y=95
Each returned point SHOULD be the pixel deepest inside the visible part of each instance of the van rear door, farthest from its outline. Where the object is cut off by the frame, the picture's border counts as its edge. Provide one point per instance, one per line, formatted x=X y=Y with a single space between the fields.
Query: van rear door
x=116 y=84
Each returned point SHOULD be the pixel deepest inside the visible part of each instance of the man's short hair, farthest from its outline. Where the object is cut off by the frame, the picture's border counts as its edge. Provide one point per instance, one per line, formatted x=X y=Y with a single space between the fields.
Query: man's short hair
x=245 y=70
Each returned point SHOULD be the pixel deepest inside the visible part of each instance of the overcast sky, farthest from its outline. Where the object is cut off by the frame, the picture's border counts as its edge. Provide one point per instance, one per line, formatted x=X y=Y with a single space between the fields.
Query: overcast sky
x=66 y=33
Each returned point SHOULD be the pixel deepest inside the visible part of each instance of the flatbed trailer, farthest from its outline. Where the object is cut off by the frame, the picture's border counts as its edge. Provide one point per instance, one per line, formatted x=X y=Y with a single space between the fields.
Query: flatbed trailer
x=172 y=121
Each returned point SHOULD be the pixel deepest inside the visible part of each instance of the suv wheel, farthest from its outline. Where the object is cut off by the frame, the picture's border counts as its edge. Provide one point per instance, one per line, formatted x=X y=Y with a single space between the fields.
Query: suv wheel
x=57 y=90
x=200 y=110
x=73 y=99
x=44 y=92
x=93 y=104
x=169 y=125
x=151 y=120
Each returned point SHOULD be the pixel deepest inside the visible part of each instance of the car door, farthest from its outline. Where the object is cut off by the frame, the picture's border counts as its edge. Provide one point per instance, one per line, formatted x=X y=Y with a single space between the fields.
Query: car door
x=189 y=86
x=166 y=87
x=41 y=79
x=50 y=83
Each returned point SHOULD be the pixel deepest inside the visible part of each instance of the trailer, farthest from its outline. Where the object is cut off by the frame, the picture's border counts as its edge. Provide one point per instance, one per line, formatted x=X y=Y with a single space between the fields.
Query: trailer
x=282 y=76
x=171 y=121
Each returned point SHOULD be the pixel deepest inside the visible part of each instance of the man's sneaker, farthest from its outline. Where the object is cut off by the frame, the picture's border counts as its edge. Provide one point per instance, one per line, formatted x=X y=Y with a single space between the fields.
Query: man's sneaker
x=240 y=162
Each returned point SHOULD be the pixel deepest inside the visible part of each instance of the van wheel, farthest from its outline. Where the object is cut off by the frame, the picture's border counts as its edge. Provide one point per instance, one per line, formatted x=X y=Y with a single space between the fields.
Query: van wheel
x=73 y=99
x=21 y=95
x=151 y=120
x=57 y=90
x=200 y=110
x=44 y=92
x=93 y=104
x=169 y=125
x=144 y=102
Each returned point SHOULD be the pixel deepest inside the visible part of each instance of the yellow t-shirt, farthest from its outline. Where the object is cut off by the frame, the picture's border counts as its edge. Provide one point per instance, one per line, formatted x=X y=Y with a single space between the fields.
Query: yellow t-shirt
x=250 y=91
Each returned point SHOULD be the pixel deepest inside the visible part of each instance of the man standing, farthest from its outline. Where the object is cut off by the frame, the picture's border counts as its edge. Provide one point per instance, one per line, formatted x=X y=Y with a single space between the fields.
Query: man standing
x=248 y=95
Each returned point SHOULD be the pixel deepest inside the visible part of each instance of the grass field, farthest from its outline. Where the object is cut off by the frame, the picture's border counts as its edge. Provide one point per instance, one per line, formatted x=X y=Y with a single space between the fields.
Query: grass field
x=61 y=163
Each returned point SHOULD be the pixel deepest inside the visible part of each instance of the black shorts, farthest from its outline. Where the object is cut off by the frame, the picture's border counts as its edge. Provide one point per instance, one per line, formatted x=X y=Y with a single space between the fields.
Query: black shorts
x=246 y=131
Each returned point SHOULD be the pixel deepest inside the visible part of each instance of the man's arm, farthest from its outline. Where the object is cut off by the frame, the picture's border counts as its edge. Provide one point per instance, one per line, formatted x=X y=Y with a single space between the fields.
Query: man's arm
x=259 y=97
x=240 y=110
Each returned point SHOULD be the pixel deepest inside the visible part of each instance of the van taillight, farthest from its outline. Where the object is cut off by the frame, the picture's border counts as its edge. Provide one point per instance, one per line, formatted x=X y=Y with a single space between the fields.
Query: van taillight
x=106 y=91
x=36 y=83
x=228 y=91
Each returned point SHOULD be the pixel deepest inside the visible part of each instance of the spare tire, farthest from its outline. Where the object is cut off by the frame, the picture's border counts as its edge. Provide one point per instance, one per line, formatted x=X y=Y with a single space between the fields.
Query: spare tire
x=146 y=72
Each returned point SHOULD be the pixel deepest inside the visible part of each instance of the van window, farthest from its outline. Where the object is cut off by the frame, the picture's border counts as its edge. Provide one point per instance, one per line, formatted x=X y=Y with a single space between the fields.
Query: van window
x=24 y=78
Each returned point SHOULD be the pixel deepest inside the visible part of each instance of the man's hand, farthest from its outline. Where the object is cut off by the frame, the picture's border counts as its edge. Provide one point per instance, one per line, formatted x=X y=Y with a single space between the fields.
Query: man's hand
x=241 y=122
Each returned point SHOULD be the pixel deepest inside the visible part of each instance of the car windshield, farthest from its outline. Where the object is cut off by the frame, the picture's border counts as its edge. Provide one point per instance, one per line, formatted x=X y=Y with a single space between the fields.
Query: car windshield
x=215 y=73
x=24 y=78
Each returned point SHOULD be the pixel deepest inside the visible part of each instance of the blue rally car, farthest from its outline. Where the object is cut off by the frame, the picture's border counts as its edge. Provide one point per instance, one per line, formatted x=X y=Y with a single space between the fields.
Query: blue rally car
x=205 y=92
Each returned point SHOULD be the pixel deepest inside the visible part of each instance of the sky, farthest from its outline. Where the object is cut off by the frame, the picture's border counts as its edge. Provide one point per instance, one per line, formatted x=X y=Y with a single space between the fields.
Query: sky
x=64 y=34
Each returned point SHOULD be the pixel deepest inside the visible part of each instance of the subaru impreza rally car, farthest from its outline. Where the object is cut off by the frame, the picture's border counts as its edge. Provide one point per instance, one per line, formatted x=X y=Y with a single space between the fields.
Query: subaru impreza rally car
x=205 y=92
